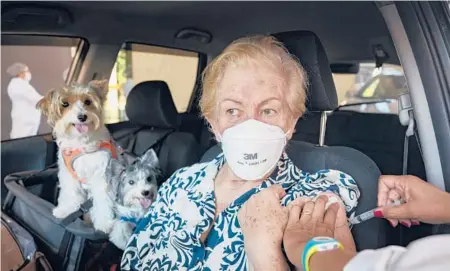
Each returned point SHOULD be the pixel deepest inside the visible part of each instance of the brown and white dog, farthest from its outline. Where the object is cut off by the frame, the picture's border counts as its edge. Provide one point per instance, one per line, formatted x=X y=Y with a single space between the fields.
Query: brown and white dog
x=85 y=149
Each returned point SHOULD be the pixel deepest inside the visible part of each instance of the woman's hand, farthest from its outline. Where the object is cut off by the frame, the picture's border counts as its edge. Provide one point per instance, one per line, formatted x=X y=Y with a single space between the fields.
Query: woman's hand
x=308 y=219
x=263 y=220
x=423 y=201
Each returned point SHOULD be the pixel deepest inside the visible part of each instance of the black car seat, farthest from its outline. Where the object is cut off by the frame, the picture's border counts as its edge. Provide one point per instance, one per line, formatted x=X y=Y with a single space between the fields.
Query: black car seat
x=153 y=123
x=379 y=136
x=309 y=157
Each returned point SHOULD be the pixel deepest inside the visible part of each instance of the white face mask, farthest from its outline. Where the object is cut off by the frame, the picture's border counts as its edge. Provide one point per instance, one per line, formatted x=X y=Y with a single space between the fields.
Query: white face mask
x=28 y=76
x=253 y=148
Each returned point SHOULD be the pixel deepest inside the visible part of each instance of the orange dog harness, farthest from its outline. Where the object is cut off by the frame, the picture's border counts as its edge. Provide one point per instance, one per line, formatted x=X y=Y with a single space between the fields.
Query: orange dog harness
x=70 y=155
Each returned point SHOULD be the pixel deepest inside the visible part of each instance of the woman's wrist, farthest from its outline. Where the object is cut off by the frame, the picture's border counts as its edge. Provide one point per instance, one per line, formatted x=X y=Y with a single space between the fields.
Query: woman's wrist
x=258 y=246
x=295 y=254
x=266 y=258
x=436 y=211
x=327 y=260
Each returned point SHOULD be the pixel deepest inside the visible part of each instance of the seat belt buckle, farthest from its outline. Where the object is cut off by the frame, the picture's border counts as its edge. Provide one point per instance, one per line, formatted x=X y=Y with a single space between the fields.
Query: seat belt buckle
x=405 y=113
x=404 y=107
x=86 y=206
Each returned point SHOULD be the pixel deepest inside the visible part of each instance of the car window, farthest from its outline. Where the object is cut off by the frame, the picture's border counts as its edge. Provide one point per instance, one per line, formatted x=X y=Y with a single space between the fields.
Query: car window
x=137 y=63
x=371 y=90
x=32 y=65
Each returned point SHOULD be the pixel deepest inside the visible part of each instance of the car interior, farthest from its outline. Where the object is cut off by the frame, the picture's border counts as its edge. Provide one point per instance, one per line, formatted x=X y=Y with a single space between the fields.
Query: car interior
x=328 y=38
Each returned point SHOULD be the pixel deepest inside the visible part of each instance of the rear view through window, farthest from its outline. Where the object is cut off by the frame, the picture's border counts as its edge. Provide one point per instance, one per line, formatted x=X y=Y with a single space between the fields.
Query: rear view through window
x=137 y=63
x=371 y=90
x=31 y=66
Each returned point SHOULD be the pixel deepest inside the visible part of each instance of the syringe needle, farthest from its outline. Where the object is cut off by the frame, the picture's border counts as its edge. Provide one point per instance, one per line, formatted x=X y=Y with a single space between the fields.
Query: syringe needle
x=371 y=213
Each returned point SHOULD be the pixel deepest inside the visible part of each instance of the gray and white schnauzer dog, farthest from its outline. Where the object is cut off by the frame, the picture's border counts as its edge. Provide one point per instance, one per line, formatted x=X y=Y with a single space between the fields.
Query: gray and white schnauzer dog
x=133 y=188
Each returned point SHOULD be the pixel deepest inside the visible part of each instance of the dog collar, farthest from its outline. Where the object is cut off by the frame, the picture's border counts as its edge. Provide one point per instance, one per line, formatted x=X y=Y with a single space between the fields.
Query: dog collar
x=130 y=219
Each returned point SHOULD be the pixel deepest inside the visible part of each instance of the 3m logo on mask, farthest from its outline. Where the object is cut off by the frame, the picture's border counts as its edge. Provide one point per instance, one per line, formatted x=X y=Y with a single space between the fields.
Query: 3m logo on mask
x=250 y=156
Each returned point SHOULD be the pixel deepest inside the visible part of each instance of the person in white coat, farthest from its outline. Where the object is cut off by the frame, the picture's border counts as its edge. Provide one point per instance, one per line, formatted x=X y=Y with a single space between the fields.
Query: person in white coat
x=25 y=118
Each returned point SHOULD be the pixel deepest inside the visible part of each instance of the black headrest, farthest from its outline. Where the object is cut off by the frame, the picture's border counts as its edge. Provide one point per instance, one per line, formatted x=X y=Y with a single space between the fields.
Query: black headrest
x=307 y=47
x=150 y=103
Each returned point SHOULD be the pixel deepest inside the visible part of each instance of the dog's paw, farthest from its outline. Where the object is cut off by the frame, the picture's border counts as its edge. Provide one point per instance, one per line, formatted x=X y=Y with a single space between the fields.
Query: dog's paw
x=104 y=225
x=62 y=212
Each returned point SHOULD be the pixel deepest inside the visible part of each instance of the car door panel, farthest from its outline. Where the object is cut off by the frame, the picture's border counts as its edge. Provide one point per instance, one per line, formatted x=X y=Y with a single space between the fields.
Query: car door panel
x=30 y=153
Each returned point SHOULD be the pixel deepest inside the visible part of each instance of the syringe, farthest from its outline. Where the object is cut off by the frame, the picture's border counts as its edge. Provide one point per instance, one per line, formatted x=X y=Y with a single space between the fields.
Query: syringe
x=370 y=214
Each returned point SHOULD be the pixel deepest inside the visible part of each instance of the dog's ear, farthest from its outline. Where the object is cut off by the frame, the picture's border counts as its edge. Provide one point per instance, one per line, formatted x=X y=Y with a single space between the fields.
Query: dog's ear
x=100 y=87
x=44 y=104
x=128 y=158
x=114 y=168
x=150 y=159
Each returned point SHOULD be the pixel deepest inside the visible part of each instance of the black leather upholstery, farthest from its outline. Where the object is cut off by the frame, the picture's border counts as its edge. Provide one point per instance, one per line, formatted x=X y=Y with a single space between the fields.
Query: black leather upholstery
x=153 y=116
x=307 y=47
x=379 y=136
x=150 y=103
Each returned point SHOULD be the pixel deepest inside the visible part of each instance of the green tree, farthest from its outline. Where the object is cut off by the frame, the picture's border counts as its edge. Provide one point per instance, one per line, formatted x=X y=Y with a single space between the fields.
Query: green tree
x=121 y=67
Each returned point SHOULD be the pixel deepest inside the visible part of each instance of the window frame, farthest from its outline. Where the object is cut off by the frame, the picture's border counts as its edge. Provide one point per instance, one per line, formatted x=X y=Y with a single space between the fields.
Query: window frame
x=197 y=91
x=77 y=60
x=202 y=62
x=23 y=39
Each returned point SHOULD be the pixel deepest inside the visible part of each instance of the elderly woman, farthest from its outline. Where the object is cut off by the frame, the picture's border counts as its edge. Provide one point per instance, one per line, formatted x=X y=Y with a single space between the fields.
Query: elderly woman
x=205 y=216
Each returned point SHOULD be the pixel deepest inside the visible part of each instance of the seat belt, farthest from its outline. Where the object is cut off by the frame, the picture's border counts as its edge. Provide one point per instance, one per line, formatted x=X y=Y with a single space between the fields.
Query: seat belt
x=155 y=145
x=406 y=116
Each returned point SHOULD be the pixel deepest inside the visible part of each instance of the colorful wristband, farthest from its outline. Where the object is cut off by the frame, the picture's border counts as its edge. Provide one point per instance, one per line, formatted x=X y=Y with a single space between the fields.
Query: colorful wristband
x=317 y=244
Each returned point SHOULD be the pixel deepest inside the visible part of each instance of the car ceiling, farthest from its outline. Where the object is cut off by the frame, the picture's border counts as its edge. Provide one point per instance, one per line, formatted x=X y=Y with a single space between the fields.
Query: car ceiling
x=348 y=30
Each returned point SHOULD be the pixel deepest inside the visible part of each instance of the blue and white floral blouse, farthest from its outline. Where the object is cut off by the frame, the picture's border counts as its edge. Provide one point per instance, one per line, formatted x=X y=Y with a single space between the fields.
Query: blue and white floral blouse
x=168 y=237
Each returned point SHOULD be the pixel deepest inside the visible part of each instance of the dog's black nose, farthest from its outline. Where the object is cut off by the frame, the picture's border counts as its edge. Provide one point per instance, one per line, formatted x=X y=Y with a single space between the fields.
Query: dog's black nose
x=82 y=118
x=145 y=193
